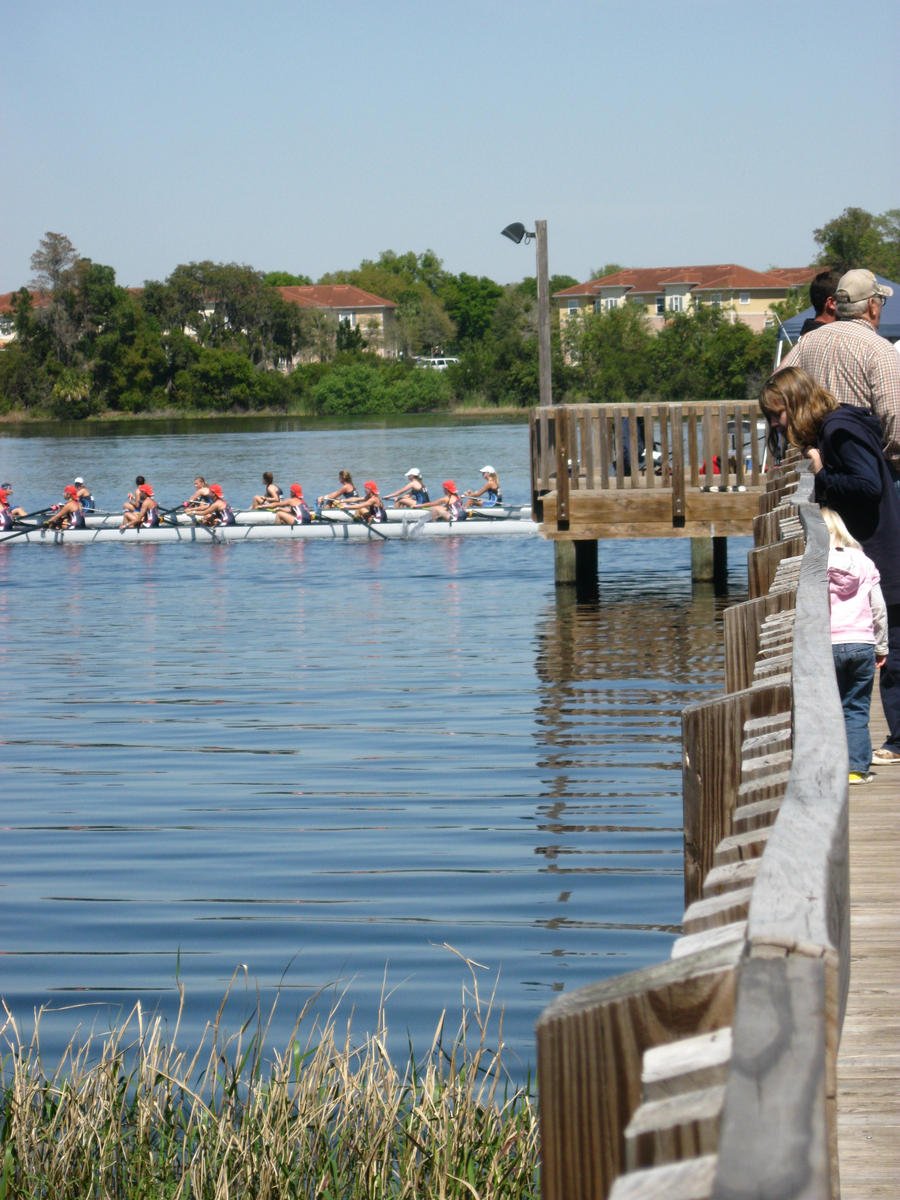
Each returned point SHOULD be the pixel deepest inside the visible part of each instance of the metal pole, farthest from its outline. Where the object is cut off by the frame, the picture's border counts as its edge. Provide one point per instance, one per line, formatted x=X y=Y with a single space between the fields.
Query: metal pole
x=543 y=299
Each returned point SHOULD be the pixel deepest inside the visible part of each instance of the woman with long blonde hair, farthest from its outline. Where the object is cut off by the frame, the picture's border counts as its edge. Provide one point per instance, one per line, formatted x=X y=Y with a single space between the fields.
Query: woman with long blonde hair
x=852 y=476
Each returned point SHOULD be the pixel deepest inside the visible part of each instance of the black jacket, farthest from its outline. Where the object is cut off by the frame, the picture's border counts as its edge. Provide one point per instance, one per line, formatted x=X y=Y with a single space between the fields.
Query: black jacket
x=857 y=483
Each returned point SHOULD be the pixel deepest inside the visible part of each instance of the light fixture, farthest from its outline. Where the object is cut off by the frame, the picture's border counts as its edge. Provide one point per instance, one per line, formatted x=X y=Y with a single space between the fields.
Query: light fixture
x=516 y=232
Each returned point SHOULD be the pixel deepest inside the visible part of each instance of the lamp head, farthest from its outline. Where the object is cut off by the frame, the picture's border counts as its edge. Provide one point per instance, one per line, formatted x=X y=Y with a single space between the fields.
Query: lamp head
x=516 y=232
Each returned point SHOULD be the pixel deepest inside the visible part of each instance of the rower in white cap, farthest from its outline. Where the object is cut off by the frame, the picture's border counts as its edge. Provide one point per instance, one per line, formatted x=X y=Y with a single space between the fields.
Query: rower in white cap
x=488 y=496
x=413 y=494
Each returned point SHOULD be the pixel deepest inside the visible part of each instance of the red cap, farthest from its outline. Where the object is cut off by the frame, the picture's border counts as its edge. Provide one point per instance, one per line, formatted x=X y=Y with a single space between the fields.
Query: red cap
x=449 y=486
x=296 y=490
x=146 y=489
x=70 y=490
x=371 y=486
x=216 y=490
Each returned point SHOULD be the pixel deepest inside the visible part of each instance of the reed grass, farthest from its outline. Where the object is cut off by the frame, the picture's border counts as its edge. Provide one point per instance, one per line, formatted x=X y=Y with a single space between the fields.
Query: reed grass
x=128 y=1115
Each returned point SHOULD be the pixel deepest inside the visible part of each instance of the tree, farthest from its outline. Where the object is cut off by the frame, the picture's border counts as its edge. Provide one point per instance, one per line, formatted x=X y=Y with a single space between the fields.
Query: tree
x=612 y=268
x=470 y=303
x=854 y=239
x=285 y=279
x=52 y=261
x=611 y=352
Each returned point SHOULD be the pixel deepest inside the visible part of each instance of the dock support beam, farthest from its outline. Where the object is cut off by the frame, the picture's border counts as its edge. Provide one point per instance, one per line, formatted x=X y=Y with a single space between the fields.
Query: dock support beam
x=575 y=563
x=709 y=562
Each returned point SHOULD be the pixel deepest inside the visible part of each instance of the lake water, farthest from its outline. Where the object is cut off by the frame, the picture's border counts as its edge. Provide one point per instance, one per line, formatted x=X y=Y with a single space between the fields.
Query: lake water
x=328 y=761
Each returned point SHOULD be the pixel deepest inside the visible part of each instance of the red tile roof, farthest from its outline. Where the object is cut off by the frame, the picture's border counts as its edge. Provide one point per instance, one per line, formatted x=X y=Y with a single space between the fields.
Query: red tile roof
x=718 y=277
x=38 y=299
x=333 y=295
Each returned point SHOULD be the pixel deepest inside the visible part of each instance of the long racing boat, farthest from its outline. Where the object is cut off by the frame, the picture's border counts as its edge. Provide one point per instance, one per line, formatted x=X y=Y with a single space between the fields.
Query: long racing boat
x=262 y=516
x=336 y=527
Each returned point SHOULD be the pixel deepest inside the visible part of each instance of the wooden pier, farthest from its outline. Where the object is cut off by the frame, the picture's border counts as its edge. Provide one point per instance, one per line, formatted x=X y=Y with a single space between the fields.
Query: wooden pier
x=717 y=1075
x=603 y=471
x=869 y=1057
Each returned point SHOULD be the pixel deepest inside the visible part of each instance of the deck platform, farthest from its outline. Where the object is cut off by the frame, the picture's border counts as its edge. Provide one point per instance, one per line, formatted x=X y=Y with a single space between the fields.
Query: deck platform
x=869 y=1056
x=647 y=470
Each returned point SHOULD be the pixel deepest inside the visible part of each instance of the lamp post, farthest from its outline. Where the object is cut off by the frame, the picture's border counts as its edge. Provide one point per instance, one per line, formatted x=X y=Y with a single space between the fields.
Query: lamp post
x=516 y=233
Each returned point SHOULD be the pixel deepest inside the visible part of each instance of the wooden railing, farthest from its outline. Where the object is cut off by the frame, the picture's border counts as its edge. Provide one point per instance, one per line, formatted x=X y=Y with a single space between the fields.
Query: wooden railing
x=714 y=1074
x=655 y=447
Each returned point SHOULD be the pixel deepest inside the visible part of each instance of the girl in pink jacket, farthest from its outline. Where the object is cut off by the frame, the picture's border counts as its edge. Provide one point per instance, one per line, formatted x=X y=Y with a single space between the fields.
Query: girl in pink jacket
x=858 y=637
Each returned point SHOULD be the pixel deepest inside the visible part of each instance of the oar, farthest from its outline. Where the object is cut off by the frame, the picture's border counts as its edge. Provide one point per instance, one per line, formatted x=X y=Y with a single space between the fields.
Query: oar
x=334 y=518
x=23 y=529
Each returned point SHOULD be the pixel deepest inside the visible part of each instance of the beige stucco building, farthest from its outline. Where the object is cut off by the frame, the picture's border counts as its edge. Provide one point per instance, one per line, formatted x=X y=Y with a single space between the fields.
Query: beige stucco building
x=743 y=294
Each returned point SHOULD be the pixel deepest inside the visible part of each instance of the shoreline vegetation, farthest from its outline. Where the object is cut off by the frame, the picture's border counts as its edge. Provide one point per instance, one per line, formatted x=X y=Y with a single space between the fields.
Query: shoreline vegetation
x=220 y=337
x=128 y=1115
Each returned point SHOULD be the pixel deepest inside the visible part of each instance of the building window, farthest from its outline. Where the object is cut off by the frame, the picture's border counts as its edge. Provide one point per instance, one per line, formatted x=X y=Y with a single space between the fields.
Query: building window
x=715 y=299
x=675 y=304
x=598 y=305
x=574 y=306
x=347 y=318
x=610 y=302
x=660 y=305
x=744 y=297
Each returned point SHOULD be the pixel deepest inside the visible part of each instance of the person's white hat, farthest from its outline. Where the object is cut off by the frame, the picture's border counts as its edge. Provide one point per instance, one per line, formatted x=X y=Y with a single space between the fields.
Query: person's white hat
x=78 y=479
x=860 y=284
x=414 y=471
x=487 y=471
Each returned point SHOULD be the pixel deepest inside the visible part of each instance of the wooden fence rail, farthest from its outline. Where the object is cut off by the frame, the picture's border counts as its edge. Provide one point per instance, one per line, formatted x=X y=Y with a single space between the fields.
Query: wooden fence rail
x=713 y=1075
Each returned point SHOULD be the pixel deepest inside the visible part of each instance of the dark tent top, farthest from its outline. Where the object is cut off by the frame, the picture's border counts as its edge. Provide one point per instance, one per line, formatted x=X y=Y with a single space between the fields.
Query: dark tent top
x=890 y=315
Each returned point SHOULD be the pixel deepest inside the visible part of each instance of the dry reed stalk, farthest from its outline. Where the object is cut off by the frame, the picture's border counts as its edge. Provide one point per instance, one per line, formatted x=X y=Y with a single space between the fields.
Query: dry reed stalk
x=325 y=1118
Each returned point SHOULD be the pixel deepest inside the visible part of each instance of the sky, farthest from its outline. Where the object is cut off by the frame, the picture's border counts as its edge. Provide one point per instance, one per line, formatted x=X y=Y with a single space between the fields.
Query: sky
x=306 y=136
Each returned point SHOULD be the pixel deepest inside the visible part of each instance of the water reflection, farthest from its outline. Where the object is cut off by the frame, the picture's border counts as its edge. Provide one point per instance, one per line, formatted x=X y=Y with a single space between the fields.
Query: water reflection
x=614 y=674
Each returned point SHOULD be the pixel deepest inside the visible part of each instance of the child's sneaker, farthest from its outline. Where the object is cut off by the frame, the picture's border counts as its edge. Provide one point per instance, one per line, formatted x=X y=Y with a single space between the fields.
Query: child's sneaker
x=860 y=777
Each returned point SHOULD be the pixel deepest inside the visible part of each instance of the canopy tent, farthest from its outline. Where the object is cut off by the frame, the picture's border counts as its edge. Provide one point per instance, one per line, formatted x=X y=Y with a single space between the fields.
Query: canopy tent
x=890 y=316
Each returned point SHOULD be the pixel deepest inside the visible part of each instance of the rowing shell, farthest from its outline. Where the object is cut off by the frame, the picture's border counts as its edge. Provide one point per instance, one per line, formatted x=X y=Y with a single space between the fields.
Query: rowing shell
x=341 y=531
x=260 y=516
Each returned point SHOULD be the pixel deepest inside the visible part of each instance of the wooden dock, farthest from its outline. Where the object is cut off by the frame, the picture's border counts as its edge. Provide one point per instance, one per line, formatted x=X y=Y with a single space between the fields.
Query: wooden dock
x=763 y=1059
x=869 y=1057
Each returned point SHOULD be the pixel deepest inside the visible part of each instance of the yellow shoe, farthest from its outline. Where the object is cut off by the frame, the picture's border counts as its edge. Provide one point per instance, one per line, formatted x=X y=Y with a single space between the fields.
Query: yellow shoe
x=859 y=777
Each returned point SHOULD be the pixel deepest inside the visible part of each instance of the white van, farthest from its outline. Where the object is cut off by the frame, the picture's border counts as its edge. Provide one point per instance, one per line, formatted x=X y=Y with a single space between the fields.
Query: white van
x=436 y=364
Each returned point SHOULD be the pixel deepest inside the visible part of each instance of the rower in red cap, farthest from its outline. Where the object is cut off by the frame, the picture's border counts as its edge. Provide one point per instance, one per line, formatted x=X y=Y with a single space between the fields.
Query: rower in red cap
x=370 y=507
x=70 y=514
x=218 y=511
x=293 y=510
x=146 y=514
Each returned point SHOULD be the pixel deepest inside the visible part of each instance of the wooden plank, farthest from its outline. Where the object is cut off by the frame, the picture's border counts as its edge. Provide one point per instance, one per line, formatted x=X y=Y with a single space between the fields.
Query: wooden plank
x=676 y=1127
x=590 y=1045
x=712 y=733
x=715 y=911
x=773 y=1139
x=686 y=1065
x=688 y=1180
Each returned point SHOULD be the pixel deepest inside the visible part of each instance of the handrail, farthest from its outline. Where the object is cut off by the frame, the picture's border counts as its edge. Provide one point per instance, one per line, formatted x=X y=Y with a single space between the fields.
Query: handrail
x=776 y=903
x=612 y=447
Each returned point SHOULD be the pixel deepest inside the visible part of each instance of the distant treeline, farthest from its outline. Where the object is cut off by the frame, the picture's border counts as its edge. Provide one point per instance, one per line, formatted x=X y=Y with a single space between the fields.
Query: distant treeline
x=220 y=337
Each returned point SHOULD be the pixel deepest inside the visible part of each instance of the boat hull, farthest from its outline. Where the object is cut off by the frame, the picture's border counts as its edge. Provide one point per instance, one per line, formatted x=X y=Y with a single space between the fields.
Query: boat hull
x=259 y=516
x=341 y=531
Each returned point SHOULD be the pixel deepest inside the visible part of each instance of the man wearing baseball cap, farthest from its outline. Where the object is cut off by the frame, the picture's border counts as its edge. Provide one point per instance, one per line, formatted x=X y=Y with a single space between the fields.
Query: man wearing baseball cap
x=850 y=359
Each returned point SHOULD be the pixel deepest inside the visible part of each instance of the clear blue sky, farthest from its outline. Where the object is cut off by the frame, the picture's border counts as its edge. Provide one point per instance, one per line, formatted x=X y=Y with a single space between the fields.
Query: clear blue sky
x=305 y=136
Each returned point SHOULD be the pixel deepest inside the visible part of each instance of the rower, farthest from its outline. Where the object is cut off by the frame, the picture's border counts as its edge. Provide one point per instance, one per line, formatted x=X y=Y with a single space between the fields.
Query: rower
x=85 y=499
x=345 y=492
x=7 y=520
x=218 y=511
x=368 y=508
x=271 y=494
x=146 y=515
x=202 y=495
x=292 y=511
x=134 y=499
x=18 y=511
x=450 y=507
x=69 y=515
x=488 y=496
x=413 y=494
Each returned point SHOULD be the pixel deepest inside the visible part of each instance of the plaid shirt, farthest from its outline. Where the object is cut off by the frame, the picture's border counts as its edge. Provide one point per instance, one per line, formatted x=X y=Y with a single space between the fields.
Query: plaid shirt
x=858 y=366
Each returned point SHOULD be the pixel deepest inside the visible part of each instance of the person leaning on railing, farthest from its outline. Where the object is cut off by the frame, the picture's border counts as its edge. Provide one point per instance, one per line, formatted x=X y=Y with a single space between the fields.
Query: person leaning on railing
x=852 y=476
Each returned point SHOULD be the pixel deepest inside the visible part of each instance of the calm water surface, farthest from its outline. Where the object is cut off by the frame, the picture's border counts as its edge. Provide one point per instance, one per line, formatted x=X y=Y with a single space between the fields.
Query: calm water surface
x=329 y=761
